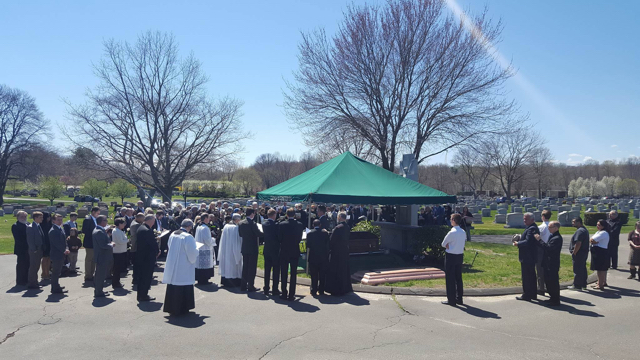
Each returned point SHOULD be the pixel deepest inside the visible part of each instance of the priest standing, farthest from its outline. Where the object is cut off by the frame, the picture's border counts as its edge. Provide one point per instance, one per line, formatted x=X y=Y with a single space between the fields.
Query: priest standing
x=147 y=252
x=338 y=275
x=205 y=243
x=179 y=271
x=230 y=253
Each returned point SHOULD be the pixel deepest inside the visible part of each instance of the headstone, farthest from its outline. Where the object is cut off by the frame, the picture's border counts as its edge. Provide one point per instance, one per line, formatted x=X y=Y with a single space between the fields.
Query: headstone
x=501 y=219
x=8 y=209
x=540 y=207
x=517 y=209
x=564 y=219
x=502 y=211
x=553 y=208
x=477 y=218
x=576 y=208
x=1 y=212
x=493 y=206
x=573 y=214
x=564 y=208
x=515 y=220
x=537 y=216
x=82 y=213
x=636 y=213
x=486 y=212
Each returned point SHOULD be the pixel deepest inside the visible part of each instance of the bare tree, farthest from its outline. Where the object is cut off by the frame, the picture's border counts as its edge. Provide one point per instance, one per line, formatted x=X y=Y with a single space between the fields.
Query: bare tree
x=21 y=124
x=403 y=77
x=475 y=165
x=541 y=167
x=265 y=165
x=229 y=167
x=150 y=120
x=509 y=153
x=308 y=161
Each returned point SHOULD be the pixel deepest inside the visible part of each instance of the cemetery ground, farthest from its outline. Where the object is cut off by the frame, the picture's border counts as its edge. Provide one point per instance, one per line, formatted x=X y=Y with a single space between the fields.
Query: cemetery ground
x=227 y=324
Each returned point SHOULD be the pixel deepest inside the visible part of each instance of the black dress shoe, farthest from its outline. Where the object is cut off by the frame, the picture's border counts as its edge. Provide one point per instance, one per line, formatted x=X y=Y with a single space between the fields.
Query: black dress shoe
x=541 y=292
x=275 y=293
x=446 y=302
x=291 y=298
x=252 y=289
x=59 y=291
x=459 y=302
x=322 y=293
x=523 y=298
x=100 y=295
x=550 y=303
x=117 y=286
x=283 y=297
x=314 y=293
x=243 y=289
x=147 y=298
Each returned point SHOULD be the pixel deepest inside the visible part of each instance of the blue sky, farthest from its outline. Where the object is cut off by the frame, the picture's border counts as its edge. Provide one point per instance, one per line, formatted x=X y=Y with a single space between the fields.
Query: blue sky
x=578 y=61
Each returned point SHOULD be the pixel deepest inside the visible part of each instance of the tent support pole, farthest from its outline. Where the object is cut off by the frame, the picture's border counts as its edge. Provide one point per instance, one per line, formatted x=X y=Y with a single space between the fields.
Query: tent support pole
x=308 y=227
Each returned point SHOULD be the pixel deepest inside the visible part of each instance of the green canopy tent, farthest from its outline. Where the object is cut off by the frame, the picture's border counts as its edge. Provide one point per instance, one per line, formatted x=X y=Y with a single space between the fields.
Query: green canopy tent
x=347 y=179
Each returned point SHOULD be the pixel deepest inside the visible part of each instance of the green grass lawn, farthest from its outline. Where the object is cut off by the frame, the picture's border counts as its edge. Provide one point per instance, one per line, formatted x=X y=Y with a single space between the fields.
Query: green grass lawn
x=489 y=228
x=497 y=265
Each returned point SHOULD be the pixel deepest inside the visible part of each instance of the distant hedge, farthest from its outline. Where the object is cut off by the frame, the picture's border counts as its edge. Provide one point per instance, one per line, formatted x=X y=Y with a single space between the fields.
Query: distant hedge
x=428 y=239
x=591 y=219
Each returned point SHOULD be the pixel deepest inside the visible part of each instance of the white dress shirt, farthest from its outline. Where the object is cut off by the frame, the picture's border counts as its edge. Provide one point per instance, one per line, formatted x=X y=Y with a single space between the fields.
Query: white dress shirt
x=119 y=238
x=544 y=232
x=602 y=237
x=456 y=238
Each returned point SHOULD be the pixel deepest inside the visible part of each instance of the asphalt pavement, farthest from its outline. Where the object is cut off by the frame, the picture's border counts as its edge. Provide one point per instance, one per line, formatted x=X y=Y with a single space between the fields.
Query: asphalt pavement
x=227 y=324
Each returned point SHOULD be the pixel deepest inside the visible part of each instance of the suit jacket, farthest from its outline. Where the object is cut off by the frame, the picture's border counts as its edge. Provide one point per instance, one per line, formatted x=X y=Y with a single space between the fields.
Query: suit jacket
x=271 y=241
x=35 y=237
x=147 y=245
x=528 y=245
x=133 y=230
x=87 y=229
x=67 y=227
x=290 y=235
x=58 y=242
x=19 y=231
x=340 y=239
x=615 y=225
x=102 y=251
x=249 y=232
x=318 y=246
x=325 y=223
x=552 y=249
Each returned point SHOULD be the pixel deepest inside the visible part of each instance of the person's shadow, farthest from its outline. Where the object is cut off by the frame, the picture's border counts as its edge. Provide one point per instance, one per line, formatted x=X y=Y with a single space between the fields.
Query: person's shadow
x=189 y=321
x=571 y=310
x=207 y=288
x=574 y=301
x=16 y=289
x=296 y=305
x=474 y=311
x=350 y=298
x=32 y=293
x=55 y=298
x=624 y=291
x=255 y=295
x=120 y=292
x=102 y=302
x=149 y=306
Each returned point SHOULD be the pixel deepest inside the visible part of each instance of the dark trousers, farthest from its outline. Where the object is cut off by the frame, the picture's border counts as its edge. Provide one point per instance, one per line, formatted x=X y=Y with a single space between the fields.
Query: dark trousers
x=249 y=266
x=529 y=286
x=540 y=269
x=552 y=280
x=22 y=269
x=271 y=263
x=318 y=272
x=142 y=294
x=580 y=272
x=56 y=270
x=164 y=245
x=34 y=265
x=453 y=277
x=613 y=254
x=134 y=275
x=285 y=263
x=101 y=276
x=119 y=266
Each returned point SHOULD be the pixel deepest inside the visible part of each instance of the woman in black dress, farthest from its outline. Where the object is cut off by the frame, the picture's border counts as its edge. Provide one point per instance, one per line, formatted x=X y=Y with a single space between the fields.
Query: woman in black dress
x=599 y=253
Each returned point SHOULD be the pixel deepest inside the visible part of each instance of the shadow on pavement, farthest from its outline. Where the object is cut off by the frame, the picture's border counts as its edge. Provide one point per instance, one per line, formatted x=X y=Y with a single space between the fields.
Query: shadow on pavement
x=571 y=310
x=207 y=288
x=625 y=291
x=54 y=298
x=474 y=311
x=573 y=301
x=189 y=321
x=102 y=302
x=16 y=289
x=120 y=292
x=149 y=306
x=32 y=293
x=351 y=299
x=296 y=305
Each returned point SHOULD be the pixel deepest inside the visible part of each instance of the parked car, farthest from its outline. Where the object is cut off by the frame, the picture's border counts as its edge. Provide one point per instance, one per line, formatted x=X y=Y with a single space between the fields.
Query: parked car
x=85 y=198
x=155 y=203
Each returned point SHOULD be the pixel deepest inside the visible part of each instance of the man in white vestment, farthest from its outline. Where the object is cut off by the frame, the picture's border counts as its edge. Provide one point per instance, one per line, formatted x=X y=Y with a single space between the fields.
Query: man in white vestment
x=206 y=258
x=179 y=271
x=230 y=255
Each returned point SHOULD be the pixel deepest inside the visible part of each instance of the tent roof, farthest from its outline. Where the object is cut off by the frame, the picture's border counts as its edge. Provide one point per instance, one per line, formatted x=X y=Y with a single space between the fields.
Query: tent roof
x=351 y=180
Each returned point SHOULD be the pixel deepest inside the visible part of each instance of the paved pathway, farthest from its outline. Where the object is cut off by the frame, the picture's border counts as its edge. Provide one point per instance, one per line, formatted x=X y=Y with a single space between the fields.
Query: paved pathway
x=230 y=325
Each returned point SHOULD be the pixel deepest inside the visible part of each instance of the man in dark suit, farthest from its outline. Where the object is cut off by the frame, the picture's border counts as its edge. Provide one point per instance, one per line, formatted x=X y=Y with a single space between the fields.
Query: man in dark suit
x=339 y=275
x=59 y=248
x=290 y=235
x=325 y=223
x=88 y=225
x=360 y=211
x=147 y=252
x=249 y=232
x=527 y=252
x=102 y=255
x=614 y=237
x=318 y=248
x=271 y=252
x=35 y=240
x=21 y=248
x=72 y=223
x=551 y=262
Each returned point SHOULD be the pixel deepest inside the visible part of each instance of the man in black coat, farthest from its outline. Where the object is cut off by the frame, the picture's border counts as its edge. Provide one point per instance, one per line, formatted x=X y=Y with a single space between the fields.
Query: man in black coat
x=325 y=223
x=147 y=252
x=271 y=252
x=339 y=274
x=318 y=248
x=249 y=232
x=290 y=235
x=614 y=237
x=551 y=262
x=527 y=251
x=88 y=225
x=59 y=248
x=21 y=248
x=102 y=255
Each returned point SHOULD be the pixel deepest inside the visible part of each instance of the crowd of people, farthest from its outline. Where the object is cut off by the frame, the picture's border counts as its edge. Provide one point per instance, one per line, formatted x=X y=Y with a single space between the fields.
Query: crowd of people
x=192 y=241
